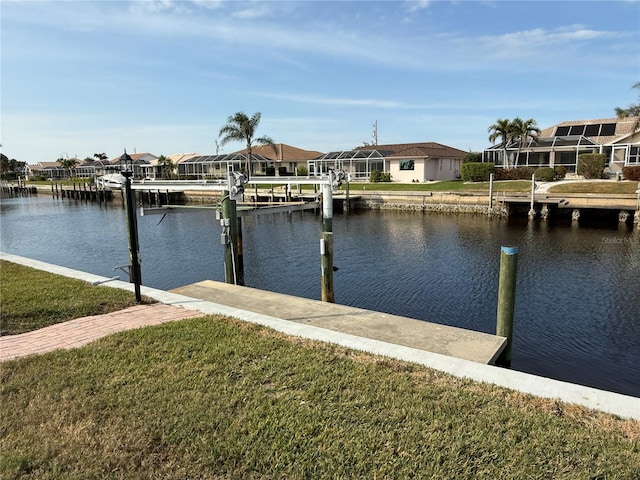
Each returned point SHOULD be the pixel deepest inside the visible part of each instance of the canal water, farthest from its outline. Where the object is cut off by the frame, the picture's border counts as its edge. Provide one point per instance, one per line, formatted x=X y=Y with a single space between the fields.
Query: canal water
x=577 y=315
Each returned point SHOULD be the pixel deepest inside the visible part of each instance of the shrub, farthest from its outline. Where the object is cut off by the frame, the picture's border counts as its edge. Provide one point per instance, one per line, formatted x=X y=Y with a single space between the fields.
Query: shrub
x=378 y=176
x=501 y=174
x=473 y=157
x=631 y=173
x=476 y=171
x=561 y=172
x=591 y=165
x=522 y=173
x=302 y=171
x=545 y=174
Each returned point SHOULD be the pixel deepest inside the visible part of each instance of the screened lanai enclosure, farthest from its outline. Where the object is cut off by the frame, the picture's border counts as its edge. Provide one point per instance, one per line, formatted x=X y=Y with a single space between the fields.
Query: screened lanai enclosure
x=357 y=163
x=545 y=152
x=215 y=166
x=562 y=145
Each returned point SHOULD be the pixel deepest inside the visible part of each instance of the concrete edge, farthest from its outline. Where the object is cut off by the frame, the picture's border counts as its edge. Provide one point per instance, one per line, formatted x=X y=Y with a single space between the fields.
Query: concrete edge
x=624 y=406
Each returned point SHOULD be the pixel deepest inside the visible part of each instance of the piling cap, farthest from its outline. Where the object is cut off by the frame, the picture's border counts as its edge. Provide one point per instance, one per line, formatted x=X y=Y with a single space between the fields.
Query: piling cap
x=510 y=250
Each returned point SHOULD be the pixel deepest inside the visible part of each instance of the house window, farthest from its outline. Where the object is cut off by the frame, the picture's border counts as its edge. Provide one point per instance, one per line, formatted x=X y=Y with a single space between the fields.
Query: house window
x=407 y=164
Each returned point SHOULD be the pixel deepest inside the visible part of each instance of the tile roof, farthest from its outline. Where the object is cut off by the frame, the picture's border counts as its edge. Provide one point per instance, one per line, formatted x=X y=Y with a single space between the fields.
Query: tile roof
x=181 y=157
x=286 y=153
x=424 y=149
x=134 y=156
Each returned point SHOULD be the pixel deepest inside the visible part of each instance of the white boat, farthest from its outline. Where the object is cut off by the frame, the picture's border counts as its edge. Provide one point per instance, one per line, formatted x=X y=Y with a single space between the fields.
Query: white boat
x=112 y=181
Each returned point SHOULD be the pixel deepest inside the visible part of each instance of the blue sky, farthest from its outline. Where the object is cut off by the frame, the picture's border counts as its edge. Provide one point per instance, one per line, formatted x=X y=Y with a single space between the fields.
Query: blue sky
x=82 y=77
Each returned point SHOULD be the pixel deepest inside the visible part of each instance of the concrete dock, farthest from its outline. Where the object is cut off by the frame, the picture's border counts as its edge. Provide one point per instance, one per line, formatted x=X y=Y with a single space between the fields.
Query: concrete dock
x=451 y=341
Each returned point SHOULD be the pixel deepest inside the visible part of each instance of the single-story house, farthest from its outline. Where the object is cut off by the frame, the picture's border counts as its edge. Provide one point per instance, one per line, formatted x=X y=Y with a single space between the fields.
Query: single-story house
x=406 y=162
x=264 y=161
x=46 y=169
x=286 y=159
x=561 y=144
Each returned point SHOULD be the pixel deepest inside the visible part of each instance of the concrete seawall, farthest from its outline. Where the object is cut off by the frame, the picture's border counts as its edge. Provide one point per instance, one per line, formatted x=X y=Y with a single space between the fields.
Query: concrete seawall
x=440 y=202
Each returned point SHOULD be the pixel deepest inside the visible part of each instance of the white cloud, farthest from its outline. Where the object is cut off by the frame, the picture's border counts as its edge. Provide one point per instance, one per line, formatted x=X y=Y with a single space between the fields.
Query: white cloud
x=415 y=5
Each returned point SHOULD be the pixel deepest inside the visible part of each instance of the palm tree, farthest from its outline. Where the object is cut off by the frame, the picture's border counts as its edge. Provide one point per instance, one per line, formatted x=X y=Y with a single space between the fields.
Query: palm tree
x=166 y=166
x=69 y=164
x=239 y=127
x=100 y=156
x=501 y=130
x=631 y=111
x=522 y=132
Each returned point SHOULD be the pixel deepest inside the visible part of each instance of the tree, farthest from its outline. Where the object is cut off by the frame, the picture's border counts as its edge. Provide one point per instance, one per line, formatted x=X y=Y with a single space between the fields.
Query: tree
x=100 y=156
x=522 y=132
x=166 y=166
x=631 y=110
x=4 y=164
x=69 y=164
x=501 y=130
x=240 y=127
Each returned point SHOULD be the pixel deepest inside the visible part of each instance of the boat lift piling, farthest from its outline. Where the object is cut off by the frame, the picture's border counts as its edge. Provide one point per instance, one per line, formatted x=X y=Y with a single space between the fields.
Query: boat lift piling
x=230 y=216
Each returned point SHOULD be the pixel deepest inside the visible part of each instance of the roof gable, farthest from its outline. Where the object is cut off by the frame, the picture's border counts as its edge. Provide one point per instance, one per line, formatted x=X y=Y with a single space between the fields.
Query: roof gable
x=424 y=149
x=285 y=153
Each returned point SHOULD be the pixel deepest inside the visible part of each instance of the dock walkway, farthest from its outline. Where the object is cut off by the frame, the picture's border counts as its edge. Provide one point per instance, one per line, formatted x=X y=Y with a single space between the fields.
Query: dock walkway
x=408 y=332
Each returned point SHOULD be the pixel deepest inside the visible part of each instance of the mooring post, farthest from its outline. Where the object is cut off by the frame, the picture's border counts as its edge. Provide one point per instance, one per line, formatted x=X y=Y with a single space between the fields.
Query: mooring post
x=229 y=224
x=347 y=205
x=326 y=257
x=326 y=243
x=135 y=276
x=532 y=210
x=239 y=255
x=490 y=194
x=506 y=301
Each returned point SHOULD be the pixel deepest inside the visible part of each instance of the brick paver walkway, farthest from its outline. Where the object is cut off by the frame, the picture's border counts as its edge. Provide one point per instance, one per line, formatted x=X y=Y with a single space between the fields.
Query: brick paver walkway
x=81 y=331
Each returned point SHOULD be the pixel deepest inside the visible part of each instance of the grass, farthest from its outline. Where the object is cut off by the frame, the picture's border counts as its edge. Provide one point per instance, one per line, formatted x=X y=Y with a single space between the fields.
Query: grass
x=216 y=398
x=33 y=299
x=601 y=187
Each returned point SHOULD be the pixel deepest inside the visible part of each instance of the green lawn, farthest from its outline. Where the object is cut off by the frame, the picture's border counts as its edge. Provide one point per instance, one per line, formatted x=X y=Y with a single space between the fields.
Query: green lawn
x=33 y=299
x=609 y=186
x=216 y=398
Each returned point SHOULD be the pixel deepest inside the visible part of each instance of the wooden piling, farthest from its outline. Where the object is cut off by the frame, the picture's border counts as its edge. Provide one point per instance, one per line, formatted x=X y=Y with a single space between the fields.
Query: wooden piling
x=506 y=301
x=231 y=240
x=135 y=275
x=326 y=256
x=326 y=244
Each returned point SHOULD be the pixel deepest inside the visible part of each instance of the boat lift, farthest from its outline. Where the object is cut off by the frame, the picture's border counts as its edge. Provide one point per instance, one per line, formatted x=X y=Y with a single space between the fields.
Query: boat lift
x=229 y=214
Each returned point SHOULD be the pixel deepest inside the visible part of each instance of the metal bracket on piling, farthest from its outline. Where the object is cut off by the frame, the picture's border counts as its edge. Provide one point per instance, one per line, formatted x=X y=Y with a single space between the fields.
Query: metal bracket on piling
x=100 y=282
x=125 y=268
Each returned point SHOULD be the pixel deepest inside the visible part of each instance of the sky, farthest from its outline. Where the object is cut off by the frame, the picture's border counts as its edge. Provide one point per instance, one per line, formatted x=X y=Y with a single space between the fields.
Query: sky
x=163 y=76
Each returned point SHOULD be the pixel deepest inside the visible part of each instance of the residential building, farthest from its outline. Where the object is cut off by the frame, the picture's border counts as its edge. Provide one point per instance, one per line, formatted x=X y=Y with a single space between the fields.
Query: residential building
x=406 y=162
x=561 y=144
x=264 y=161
